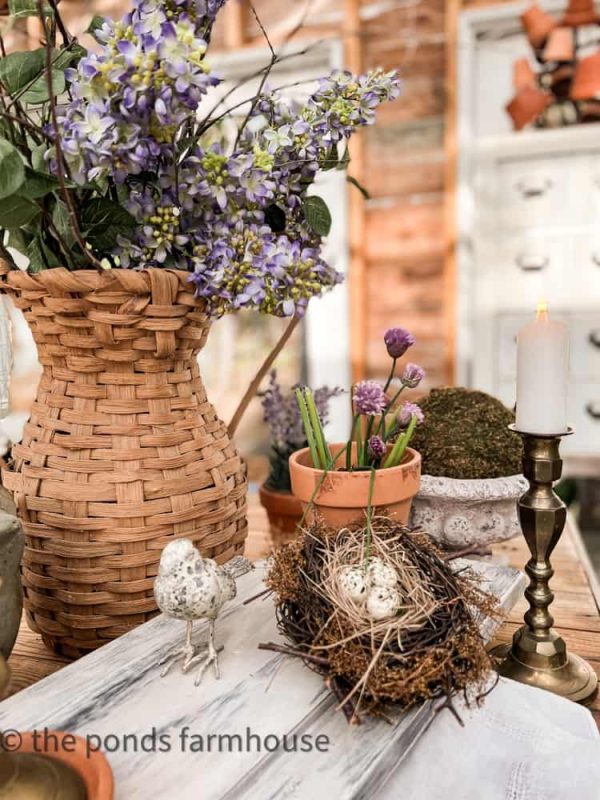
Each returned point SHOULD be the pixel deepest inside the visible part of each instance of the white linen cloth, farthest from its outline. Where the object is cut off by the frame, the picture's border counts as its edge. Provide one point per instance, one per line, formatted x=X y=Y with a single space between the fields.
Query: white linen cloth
x=522 y=744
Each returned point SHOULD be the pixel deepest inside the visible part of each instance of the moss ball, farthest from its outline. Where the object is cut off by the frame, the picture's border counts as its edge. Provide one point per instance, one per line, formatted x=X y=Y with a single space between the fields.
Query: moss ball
x=465 y=435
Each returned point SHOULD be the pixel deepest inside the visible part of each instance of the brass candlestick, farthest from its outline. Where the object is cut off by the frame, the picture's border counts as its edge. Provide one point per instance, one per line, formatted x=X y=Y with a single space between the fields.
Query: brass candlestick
x=538 y=655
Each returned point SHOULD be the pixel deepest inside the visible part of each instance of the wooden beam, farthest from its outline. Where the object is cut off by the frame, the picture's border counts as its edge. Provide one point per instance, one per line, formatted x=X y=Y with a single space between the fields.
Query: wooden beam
x=236 y=16
x=450 y=178
x=357 y=278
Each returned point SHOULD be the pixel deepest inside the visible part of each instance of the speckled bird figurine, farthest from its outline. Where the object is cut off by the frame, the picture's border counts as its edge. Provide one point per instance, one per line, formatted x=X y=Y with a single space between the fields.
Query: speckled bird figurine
x=190 y=587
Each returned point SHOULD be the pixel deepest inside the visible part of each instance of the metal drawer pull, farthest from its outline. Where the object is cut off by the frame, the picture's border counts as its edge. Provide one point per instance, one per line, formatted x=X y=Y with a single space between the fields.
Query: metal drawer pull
x=532 y=263
x=593 y=410
x=594 y=338
x=596 y=259
x=534 y=187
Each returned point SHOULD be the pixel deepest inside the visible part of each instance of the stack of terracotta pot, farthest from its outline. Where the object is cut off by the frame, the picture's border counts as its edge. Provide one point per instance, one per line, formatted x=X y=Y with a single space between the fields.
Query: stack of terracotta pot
x=565 y=87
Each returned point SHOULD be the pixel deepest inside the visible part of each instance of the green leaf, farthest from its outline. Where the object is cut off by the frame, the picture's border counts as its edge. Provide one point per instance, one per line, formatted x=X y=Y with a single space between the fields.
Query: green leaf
x=317 y=214
x=95 y=25
x=38 y=91
x=40 y=256
x=68 y=56
x=17 y=211
x=37 y=184
x=18 y=240
x=103 y=221
x=18 y=70
x=12 y=169
x=27 y=8
x=359 y=186
x=331 y=159
x=62 y=222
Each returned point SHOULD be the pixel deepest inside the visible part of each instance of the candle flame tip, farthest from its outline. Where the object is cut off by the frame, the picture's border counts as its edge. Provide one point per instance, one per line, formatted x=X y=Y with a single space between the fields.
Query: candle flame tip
x=542 y=309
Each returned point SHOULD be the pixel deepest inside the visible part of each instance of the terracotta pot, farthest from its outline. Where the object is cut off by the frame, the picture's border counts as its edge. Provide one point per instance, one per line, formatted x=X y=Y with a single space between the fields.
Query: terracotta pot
x=560 y=45
x=523 y=74
x=527 y=105
x=343 y=497
x=73 y=751
x=284 y=511
x=586 y=83
x=580 y=12
x=538 y=25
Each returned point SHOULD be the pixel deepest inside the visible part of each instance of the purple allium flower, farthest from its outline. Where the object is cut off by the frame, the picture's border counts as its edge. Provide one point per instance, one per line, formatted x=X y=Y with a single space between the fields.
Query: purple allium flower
x=397 y=341
x=412 y=376
x=369 y=398
x=407 y=412
x=377 y=448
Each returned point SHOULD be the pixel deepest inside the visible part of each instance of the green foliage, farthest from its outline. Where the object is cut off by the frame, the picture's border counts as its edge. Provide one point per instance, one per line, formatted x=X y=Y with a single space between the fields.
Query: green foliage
x=317 y=214
x=37 y=184
x=16 y=211
x=22 y=69
x=12 y=169
x=95 y=25
x=103 y=221
x=279 y=470
x=19 y=9
x=358 y=186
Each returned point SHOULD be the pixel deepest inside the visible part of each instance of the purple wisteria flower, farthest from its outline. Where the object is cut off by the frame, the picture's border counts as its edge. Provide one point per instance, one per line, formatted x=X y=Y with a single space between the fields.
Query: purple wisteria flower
x=369 y=398
x=407 y=412
x=229 y=209
x=397 y=341
x=377 y=448
x=412 y=376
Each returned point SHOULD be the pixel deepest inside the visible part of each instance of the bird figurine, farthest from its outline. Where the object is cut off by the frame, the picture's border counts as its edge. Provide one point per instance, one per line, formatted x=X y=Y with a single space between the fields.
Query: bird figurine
x=190 y=587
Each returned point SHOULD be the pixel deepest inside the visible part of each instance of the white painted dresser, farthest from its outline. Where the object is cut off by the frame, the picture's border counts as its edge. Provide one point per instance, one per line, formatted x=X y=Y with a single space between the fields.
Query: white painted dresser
x=528 y=217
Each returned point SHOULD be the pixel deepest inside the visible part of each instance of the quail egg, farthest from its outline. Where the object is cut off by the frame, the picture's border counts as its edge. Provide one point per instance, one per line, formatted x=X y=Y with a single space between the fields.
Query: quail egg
x=353 y=583
x=383 y=602
x=381 y=574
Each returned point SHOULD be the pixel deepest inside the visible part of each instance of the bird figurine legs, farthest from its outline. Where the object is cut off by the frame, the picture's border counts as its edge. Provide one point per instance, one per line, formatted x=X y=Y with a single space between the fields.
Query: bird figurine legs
x=188 y=654
x=211 y=658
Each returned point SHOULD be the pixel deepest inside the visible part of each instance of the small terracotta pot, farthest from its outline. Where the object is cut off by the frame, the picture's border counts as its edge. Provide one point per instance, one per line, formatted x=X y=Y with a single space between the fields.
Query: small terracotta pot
x=343 y=497
x=538 y=25
x=580 y=12
x=527 y=105
x=560 y=45
x=523 y=74
x=284 y=511
x=586 y=83
x=93 y=766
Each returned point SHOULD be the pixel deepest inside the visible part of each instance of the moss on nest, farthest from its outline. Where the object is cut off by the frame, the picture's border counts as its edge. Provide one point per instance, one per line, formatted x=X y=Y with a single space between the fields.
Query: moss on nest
x=465 y=435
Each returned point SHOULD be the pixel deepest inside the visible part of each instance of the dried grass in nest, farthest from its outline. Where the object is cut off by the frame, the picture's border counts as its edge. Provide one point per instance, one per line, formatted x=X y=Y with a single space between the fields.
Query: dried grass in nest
x=431 y=649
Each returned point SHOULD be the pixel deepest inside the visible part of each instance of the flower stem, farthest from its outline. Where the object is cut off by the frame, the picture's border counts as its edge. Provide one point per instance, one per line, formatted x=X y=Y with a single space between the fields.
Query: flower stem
x=369 y=536
x=322 y=448
x=397 y=453
x=391 y=375
x=308 y=429
x=320 y=482
x=355 y=421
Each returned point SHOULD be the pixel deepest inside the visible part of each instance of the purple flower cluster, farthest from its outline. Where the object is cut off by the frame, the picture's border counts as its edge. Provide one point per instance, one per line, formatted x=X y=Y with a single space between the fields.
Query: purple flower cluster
x=407 y=412
x=397 y=341
x=232 y=214
x=369 y=398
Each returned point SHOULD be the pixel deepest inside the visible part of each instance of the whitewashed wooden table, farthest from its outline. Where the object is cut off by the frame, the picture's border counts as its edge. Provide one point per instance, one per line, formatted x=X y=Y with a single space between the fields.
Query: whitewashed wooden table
x=116 y=695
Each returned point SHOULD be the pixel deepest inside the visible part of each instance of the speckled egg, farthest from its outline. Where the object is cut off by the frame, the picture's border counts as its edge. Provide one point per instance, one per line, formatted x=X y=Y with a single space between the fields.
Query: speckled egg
x=353 y=583
x=381 y=574
x=383 y=602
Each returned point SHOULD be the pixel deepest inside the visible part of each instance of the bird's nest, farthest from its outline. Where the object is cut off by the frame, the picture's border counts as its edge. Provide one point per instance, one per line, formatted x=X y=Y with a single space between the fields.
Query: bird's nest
x=430 y=648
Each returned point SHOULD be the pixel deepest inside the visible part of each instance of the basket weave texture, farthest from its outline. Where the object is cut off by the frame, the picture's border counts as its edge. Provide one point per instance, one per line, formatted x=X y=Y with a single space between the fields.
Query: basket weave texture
x=122 y=453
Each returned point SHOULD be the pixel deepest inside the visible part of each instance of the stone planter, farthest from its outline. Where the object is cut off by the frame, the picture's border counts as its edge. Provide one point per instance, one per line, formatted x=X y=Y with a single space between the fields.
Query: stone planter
x=465 y=513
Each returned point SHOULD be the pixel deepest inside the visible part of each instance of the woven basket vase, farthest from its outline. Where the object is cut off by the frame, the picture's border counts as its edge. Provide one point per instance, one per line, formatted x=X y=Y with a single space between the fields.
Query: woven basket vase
x=122 y=452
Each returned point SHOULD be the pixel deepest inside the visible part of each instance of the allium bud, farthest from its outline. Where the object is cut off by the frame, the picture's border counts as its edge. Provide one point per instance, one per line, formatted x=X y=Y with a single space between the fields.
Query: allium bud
x=377 y=448
x=412 y=376
x=397 y=341
x=407 y=412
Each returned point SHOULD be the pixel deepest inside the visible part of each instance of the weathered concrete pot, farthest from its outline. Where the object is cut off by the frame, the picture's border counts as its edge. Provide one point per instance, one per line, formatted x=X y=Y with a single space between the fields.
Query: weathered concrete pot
x=12 y=542
x=465 y=513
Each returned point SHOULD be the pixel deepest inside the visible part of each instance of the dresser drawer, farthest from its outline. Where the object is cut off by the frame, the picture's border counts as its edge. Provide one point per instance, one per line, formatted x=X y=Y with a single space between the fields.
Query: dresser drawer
x=584 y=416
x=586 y=275
x=539 y=192
x=530 y=267
x=585 y=346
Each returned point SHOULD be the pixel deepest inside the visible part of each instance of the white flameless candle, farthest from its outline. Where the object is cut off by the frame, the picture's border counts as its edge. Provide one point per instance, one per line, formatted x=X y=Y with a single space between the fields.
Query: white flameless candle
x=542 y=375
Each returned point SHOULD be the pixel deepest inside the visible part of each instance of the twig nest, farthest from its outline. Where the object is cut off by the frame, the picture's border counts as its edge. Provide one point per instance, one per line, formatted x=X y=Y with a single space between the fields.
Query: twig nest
x=383 y=602
x=353 y=582
x=380 y=615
